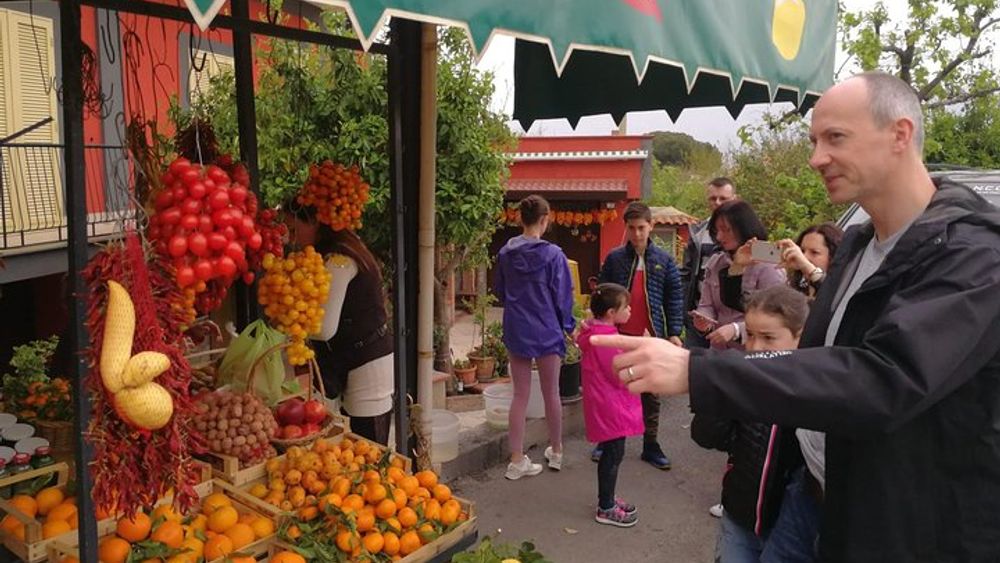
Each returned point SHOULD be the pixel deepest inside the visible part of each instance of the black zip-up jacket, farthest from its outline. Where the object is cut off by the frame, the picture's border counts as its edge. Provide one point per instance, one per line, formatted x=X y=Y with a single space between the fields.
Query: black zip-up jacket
x=909 y=394
x=760 y=458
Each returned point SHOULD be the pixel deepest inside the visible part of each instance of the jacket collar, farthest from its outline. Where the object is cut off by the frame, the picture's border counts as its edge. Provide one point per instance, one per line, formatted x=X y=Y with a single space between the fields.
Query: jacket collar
x=630 y=249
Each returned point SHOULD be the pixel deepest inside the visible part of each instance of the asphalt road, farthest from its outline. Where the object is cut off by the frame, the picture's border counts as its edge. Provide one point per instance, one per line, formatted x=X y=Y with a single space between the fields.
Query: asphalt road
x=555 y=510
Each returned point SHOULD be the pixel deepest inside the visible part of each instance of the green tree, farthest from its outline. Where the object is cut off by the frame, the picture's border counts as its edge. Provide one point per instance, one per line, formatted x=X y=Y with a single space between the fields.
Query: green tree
x=681 y=149
x=680 y=188
x=771 y=171
x=943 y=49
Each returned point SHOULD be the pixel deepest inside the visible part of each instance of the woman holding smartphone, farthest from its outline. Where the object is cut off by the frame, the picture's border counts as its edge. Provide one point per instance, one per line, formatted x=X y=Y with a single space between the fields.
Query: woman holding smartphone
x=731 y=275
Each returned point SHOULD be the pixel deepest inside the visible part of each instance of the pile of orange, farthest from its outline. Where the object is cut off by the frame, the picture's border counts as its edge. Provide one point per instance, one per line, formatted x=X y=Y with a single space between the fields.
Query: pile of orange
x=218 y=531
x=367 y=504
x=50 y=506
x=292 y=292
x=337 y=192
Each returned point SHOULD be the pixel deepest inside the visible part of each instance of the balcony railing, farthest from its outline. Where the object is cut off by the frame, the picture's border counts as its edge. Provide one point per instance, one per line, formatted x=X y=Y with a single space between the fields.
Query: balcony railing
x=33 y=199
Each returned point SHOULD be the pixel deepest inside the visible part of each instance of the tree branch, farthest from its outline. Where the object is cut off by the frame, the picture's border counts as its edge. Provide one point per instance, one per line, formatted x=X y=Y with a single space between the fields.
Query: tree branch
x=965 y=55
x=961 y=98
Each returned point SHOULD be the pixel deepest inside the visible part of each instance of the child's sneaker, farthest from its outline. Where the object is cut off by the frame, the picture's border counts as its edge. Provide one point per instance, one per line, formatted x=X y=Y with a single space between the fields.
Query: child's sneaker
x=554 y=459
x=522 y=469
x=628 y=509
x=615 y=516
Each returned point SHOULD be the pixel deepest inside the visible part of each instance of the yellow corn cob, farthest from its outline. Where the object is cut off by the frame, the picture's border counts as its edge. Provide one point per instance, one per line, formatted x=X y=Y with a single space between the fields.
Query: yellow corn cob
x=147 y=406
x=119 y=329
x=144 y=367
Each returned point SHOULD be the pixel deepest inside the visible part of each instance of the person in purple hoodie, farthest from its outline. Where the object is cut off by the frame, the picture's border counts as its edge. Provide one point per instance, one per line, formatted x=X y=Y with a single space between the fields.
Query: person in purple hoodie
x=534 y=286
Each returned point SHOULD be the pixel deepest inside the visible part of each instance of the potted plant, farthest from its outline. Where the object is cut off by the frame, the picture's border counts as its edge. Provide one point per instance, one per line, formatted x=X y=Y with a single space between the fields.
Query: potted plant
x=35 y=397
x=485 y=363
x=464 y=371
x=569 y=373
x=493 y=346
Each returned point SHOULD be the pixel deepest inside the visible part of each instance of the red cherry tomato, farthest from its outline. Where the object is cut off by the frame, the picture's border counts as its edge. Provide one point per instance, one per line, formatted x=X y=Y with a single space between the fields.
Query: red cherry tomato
x=217 y=241
x=170 y=216
x=190 y=206
x=177 y=246
x=163 y=200
x=190 y=176
x=189 y=222
x=179 y=193
x=226 y=267
x=205 y=224
x=248 y=278
x=230 y=233
x=198 y=244
x=185 y=276
x=203 y=270
x=255 y=241
x=219 y=199
x=198 y=190
x=234 y=251
x=179 y=165
x=238 y=194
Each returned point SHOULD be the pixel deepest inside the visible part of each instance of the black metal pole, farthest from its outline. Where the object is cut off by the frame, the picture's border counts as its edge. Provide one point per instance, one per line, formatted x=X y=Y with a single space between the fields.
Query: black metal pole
x=404 y=142
x=76 y=200
x=246 y=118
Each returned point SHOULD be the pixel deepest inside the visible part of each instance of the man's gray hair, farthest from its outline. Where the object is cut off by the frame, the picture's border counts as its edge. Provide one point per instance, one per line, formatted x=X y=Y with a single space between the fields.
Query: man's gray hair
x=889 y=99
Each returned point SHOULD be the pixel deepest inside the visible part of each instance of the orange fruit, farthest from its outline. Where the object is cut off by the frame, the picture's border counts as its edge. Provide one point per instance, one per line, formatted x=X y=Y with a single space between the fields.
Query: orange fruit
x=18 y=530
x=293 y=532
x=394 y=525
x=259 y=490
x=394 y=474
x=217 y=547
x=373 y=542
x=215 y=501
x=287 y=557
x=113 y=550
x=330 y=499
x=134 y=529
x=241 y=534
x=390 y=543
x=195 y=549
x=399 y=497
x=375 y=493
x=385 y=509
x=348 y=541
x=427 y=479
x=222 y=519
x=166 y=512
x=169 y=533
x=409 y=542
x=442 y=493
x=397 y=462
x=407 y=517
x=69 y=559
x=365 y=521
x=54 y=528
x=352 y=502
x=341 y=487
x=427 y=533
x=262 y=527
x=450 y=512
x=199 y=523
x=432 y=510
x=248 y=518
x=64 y=511
x=47 y=499
x=409 y=484
x=9 y=523
x=26 y=505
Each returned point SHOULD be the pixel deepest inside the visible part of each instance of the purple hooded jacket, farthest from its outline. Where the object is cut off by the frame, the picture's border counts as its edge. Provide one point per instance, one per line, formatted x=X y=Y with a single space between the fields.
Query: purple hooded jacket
x=534 y=286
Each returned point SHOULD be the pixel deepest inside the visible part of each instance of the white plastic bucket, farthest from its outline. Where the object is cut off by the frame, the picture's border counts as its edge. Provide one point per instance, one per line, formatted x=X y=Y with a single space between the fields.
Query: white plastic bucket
x=496 y=402
x=444 y=436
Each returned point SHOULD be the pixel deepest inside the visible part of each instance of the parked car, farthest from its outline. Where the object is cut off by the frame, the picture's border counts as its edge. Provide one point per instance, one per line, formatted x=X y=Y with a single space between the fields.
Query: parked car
x=984 y=182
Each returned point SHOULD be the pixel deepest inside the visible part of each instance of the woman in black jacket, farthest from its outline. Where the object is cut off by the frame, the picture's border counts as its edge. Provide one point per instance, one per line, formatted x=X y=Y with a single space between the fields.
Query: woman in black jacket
x=760 y=455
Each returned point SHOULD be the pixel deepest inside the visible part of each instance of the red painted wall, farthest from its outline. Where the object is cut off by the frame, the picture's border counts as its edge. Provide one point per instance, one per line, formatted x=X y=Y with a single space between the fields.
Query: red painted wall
x=630 y=170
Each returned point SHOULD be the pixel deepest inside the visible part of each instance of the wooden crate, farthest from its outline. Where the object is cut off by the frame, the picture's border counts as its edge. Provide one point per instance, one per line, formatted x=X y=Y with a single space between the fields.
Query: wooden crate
x=258 y=473
x=33 y=548
x=227 y=467
x=429 y=552
x=67 y=545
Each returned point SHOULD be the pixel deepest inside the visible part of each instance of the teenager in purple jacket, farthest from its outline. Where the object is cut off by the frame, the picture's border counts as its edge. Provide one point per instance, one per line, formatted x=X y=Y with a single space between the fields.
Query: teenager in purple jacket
x=534 y=286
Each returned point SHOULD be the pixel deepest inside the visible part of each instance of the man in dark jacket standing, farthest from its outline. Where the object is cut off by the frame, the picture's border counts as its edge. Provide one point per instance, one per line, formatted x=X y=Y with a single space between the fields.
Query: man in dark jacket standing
x=900 y=357
x=699 y=248
x=657 y=304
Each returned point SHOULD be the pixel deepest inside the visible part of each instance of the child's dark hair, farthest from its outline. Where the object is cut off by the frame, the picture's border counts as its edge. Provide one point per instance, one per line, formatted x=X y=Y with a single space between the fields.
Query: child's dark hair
x=638 y=210
x=781 y=301
x=607 y=296
x=532 y=209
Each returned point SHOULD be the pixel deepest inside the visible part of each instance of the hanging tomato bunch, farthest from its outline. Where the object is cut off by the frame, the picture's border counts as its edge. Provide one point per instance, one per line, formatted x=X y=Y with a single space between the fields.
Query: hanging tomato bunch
x=337 y=192
x=292 y=292
x=205 y=224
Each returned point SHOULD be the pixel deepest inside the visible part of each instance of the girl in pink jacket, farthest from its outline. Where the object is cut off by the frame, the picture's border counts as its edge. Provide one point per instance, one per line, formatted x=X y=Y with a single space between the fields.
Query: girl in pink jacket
x=610 y=412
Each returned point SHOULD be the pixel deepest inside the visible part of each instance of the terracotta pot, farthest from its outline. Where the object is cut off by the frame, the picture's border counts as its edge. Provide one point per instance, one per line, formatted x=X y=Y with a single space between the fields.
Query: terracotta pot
x=485 y=367
x=466 y=375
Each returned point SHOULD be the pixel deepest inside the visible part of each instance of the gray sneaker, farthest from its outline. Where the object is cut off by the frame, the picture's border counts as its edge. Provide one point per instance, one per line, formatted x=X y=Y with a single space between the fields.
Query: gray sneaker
x=716 y=510
x=615 y=516
x=522 y=469
x=554 y=459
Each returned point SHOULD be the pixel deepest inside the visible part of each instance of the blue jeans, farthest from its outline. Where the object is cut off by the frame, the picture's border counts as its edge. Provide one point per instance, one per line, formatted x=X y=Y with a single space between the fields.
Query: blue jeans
x=736 y=543
x=795 y=534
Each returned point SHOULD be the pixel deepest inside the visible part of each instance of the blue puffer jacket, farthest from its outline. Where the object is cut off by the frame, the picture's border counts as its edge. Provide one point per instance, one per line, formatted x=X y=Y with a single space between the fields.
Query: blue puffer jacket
x=664 y=294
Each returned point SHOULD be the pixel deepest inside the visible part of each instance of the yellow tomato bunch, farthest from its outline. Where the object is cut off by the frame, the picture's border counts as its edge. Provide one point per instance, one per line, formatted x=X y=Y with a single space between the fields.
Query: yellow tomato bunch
x=292 y=292
x=337 y=192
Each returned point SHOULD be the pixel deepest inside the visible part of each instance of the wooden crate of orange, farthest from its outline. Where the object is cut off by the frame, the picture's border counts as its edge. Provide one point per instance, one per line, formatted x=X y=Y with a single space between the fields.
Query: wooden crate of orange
x=234 y=532
x=31 y=522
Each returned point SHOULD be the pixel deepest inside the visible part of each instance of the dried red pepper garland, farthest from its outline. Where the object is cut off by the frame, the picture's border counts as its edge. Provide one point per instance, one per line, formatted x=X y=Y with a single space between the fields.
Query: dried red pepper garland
x=132 y=468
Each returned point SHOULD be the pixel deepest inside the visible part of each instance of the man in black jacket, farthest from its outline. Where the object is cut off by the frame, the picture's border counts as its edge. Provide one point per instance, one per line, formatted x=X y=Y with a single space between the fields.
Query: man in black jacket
x=900 y=357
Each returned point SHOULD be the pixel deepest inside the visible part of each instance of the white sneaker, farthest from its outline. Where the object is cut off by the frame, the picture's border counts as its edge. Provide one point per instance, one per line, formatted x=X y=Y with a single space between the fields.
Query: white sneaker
x=523 y=469
x=716 y=510
x=555 y=459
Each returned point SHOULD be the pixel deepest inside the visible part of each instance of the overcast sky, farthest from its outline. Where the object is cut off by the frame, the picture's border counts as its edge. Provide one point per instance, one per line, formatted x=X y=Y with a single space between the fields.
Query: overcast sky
x=713 y=125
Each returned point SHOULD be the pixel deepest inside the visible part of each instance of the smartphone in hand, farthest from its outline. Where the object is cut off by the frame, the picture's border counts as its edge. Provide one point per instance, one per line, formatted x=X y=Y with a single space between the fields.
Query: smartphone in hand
x=763 y=251
x=705 y=318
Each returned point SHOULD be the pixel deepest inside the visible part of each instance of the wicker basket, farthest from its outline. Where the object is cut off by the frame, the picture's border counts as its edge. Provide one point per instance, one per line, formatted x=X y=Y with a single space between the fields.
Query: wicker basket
x=334 y=423
x=60 y=435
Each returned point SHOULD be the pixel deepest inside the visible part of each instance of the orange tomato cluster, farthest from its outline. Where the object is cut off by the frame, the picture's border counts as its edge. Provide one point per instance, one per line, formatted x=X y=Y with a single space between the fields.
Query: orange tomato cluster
x=597 y=216
x=337 y=192
x=51 y=506
x=219 y=531
x=46 y=400
x=352 y=495
x=292 y=293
